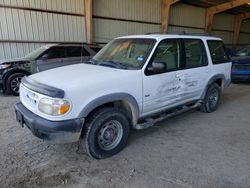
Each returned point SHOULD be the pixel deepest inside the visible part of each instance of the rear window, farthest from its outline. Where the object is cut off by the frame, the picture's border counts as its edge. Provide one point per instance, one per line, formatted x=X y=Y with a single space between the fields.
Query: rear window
x=218 y=52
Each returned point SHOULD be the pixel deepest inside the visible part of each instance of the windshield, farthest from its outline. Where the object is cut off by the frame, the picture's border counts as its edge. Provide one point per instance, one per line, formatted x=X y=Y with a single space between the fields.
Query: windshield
x=244 y=52
x=36 y=53
x=127 y=53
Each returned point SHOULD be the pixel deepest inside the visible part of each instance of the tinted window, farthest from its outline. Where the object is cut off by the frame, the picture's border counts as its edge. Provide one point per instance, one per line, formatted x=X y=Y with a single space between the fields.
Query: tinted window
x=217 y=51
x=244 y=52
x=56 y=52
x=76 y=51
x=169 y=53
x=96 y=49
x=195 y=53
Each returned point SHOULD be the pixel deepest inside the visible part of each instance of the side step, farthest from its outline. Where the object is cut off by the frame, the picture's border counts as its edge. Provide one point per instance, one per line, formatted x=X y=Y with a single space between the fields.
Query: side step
x=149 y=122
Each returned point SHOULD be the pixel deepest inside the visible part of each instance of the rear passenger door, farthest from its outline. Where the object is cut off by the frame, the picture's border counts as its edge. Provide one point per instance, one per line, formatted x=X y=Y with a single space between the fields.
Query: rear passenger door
x=196 y=71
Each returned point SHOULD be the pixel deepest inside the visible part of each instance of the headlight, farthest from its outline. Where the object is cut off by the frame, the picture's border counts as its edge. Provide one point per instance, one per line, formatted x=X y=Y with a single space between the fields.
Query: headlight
x=54 y=107
x=4 y=66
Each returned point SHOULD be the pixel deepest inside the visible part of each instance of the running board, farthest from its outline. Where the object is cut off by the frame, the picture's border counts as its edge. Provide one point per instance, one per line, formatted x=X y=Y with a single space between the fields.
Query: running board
x=149 y=122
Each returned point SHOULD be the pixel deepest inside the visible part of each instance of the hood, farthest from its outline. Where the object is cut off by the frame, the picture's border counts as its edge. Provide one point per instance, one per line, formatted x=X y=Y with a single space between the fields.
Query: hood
x=16 y=60
x=79 y=75
x=241 y=60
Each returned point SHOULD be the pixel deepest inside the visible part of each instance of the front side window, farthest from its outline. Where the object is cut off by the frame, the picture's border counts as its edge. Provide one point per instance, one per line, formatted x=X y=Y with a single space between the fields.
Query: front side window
x=195 y=53
x=218 y=52
x=168 y=52
x=56 y=52
x=127 y=53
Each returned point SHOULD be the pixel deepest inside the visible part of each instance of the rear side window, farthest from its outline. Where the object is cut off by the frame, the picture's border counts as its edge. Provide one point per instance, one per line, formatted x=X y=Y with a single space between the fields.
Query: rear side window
x=218 y=51
x=76 y=51
x=195 y=53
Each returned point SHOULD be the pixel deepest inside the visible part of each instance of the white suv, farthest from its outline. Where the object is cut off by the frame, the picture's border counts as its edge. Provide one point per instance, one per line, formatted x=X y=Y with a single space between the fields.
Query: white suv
x=133 y=82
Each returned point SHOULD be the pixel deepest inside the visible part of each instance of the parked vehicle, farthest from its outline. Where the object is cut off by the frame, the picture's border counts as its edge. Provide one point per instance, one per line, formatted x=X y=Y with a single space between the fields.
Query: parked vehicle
x=44 y=58
x=241 y=65
x=133 y=82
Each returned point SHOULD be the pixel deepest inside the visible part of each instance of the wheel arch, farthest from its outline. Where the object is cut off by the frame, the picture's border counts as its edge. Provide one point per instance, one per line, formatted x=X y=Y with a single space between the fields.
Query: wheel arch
x=218 y=79
x=11 y=72
x=123 y=100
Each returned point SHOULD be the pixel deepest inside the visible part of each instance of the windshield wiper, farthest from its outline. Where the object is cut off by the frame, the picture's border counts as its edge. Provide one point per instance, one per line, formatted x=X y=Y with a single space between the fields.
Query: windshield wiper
x=91 y=61
x=112 y=64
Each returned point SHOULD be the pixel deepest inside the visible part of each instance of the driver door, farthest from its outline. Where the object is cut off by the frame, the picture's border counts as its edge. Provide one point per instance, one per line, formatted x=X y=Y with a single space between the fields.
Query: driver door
x=163 y=90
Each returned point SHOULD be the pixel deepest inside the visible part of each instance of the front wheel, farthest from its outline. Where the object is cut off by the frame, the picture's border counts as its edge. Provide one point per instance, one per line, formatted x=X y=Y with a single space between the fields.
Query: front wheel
x=106 y=133
x=13 y=83
x=212 y=99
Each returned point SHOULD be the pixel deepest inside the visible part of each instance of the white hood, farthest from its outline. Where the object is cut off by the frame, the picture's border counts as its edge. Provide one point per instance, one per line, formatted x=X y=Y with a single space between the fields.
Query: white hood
x=82 y=76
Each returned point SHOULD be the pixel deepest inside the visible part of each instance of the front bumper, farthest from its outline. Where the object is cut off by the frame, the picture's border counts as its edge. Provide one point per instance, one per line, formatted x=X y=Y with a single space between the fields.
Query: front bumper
x=57 y=131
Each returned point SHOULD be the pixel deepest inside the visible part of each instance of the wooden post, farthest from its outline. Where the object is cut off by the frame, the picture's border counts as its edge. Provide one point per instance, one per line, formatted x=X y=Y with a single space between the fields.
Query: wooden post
x=209 y=20
x=237 y=26
x=166 y=4
x=89 y=20
x=211 y=11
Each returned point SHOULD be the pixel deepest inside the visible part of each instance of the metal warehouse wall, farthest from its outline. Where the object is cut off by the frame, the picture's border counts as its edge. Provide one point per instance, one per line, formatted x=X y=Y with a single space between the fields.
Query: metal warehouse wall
x=27 y=24
x=114 y=18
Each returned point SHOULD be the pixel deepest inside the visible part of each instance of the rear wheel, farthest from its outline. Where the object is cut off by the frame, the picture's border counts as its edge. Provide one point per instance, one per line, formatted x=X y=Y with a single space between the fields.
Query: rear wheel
x=212 y=99
x=106 y=133
x=13 y=83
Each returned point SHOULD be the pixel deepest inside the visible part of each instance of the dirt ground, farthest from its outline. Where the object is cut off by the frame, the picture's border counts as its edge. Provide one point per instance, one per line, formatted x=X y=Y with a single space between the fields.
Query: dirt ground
x=190 y=150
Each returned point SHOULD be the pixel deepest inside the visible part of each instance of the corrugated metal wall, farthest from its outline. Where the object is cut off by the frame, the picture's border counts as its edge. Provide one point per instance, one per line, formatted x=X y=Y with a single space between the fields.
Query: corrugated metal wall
x=114 y=18
x=182 y=19
x=27 y=24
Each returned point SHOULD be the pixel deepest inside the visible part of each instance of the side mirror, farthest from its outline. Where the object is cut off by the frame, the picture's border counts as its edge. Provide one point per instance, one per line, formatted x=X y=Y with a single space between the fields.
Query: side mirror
x=44 y=57
x=157 y=67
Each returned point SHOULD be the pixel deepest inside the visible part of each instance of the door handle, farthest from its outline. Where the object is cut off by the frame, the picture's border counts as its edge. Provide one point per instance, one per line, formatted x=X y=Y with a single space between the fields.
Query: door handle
x=178 y=75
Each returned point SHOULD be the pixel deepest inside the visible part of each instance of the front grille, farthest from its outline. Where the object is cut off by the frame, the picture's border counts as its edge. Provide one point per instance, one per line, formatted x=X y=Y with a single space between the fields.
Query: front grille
x=28 y=98
x=241 y=67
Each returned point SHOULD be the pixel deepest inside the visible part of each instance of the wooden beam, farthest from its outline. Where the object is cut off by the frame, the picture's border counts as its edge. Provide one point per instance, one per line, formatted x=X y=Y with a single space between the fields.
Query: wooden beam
x=211 y=11
x=237 y=26
x=166 y=4
x=89 y=20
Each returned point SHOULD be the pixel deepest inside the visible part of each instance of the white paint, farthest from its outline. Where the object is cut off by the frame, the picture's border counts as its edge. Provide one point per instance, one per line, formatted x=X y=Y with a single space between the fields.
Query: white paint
x=84 y=83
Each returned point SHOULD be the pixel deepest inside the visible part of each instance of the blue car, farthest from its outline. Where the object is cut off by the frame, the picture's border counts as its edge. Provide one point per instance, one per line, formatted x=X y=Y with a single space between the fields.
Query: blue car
x=241 y=65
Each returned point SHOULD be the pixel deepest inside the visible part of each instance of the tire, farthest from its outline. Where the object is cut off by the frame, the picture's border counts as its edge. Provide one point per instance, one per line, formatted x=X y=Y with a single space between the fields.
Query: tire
x=13 y=82
x=212 y=99
x=106 y=133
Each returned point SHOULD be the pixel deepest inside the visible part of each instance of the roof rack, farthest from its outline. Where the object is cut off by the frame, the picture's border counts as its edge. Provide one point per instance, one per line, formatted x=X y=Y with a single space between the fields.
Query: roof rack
x=75 y=43
x=181 y=33
x=194 y=34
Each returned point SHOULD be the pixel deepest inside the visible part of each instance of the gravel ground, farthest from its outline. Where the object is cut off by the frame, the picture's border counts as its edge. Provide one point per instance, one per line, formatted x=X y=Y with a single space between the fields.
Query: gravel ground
x=190 y=150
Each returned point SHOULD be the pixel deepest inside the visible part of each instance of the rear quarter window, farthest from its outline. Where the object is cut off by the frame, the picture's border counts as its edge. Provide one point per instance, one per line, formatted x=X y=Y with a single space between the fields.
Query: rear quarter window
x=218 y=52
